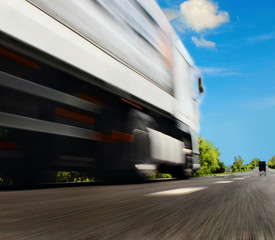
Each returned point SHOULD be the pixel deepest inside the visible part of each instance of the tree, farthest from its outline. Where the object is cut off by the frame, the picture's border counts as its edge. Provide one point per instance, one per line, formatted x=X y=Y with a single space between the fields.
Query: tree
x=221 y=167
x=238 y=164
x=209 y=158
x=271 y=162
x=239 y=167
x=247 y=167
x=255 y=162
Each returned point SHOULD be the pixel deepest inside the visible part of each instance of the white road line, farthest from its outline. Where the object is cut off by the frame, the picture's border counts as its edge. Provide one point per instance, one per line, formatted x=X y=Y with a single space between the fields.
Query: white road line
x=223 y=182
x=240 y=178
x=178 y=191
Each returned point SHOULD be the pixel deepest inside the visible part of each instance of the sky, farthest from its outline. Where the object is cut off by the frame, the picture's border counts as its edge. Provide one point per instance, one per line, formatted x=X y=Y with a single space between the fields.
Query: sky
x=233 y=45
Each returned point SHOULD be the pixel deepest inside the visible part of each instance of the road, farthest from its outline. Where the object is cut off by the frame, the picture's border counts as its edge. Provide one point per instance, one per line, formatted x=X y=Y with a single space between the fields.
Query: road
x=234 y=207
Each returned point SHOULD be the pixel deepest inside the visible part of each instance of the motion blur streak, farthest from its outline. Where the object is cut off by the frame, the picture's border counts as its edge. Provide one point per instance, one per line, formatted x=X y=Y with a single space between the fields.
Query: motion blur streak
x=89 y=98
x=115 y=136
x=122 y=136
x=240 y=210
x=17 y=58
x=8 y=145
x=178 y=191
x=223 y=182
x=131 y=103
x=75 y=116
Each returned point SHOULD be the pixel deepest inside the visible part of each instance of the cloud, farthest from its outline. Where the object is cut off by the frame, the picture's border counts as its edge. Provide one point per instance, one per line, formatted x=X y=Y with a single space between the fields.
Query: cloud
x=203 y=42
x=262 y=37
x=262 y=103
x=214 y=71
x=202 y=14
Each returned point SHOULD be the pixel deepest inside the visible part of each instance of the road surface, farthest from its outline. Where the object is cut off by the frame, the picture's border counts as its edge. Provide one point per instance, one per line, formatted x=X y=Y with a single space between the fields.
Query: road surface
x=240 y=206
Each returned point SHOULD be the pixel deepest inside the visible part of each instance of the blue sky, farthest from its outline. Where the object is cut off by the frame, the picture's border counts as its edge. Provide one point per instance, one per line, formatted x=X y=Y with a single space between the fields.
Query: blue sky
x=233 y=44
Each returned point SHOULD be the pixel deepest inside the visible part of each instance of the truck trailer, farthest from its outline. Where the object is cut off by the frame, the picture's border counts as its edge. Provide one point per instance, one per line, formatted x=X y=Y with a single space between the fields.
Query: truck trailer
x=103 y=87
x=262 y=168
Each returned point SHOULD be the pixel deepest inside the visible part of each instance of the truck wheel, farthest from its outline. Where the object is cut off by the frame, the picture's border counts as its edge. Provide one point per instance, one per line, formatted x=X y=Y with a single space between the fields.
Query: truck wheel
x=137 y=124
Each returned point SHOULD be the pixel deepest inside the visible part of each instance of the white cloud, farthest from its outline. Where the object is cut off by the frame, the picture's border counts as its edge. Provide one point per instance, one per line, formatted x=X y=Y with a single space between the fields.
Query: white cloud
x=262 y=103
x=202 y=14
x=203 y=42
x=215 y=71
x=262 y=37
x=212 y=70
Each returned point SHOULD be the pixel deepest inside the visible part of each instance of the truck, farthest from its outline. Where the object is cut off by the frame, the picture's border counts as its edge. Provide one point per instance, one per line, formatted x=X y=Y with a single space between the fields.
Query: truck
x=262 y=168
x=101 y=87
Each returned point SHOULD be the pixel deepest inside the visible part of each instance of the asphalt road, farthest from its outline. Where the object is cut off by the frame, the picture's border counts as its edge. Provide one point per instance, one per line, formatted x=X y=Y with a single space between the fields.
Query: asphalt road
x=232 y=207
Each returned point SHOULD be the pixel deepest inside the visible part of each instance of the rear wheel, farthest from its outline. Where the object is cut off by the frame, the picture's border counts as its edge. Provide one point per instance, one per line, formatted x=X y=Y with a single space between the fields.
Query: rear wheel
x=127 y=155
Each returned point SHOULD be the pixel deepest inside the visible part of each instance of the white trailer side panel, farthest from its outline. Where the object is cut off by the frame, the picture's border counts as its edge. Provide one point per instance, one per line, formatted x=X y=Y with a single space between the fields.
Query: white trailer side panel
x=150 y=76
x=27 y=23
x=186 y=105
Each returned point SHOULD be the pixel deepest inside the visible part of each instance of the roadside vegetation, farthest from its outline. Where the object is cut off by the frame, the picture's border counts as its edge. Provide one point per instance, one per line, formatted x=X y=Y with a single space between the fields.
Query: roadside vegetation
x=211 y=165
x=239 y=167
x=209 y=159
x=157 y=175
x=271 y=162
x=72 y=176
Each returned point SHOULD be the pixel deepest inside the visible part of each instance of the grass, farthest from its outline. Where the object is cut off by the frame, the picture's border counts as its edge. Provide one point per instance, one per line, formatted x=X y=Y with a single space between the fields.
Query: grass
x=72 y=176
x=157 y=175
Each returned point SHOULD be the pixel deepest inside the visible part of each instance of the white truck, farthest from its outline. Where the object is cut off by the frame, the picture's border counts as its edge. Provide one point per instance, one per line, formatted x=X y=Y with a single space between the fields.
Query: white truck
x=104 y=86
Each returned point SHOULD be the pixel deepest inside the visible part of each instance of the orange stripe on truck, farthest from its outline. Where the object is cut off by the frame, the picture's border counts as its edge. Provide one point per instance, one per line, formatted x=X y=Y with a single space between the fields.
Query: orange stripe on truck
x=7 y=145
x=90 y=98
x=131 y=103
x=113 y=138
x=17 y=58
x=121 y=136
x=75 y=116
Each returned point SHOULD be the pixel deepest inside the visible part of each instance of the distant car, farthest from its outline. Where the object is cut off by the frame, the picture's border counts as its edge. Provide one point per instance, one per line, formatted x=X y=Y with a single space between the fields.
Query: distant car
x=262 y=168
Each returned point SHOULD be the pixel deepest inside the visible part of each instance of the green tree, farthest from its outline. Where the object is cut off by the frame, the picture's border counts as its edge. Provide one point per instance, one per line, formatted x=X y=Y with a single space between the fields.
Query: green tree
x=238 y=164
x=247 y=167
x=255 y=162
x=239 y=167
x=271 y=162
x=221 y=167
x=209 y=158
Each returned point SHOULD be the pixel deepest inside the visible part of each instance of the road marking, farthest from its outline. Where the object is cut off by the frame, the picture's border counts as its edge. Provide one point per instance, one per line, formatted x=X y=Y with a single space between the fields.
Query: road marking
x=223 y=182
x=240 y=178
x=178 y=191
